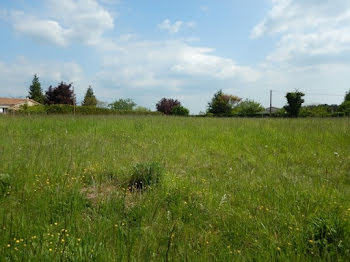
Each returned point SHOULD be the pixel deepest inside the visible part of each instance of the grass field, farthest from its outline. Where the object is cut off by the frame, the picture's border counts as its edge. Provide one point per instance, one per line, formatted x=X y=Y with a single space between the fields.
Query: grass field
x=231 y=190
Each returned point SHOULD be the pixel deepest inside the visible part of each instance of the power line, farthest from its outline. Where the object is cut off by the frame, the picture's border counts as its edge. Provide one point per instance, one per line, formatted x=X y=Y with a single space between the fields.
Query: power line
x=307 y=93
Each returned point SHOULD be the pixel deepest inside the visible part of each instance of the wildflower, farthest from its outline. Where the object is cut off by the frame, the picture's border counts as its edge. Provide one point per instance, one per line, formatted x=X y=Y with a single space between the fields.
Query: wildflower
x=17 y=241
x=278 y=248
x=311 y=241
x=56 y=223
x=8 y=245
x=62 y=240
x=79 y=239
x=50 y=249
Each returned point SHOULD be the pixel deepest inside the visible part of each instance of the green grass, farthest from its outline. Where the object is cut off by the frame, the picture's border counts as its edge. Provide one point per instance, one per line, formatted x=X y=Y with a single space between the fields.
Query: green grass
x=231 y=189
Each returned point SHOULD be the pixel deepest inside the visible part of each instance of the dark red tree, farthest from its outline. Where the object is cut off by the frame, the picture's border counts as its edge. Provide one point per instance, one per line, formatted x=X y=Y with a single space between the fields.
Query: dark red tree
x=62 y=94
x=166 y=105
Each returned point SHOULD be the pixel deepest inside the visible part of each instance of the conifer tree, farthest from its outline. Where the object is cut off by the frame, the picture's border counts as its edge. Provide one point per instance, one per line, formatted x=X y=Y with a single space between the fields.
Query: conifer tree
x=35 y=91
x=89 y=99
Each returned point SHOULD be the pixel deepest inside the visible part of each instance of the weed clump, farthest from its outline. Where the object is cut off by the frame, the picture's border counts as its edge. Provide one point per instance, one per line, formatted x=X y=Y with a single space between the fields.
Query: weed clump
x=5 y=183
x=144 y=175
x=326 y=236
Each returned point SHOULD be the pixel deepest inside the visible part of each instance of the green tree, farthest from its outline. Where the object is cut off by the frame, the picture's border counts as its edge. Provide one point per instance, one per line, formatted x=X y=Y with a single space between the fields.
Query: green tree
x=295 y=100
x=248 y=107
x=35 y=91
x=222 y=104
x=180 y=111
x=345 y=106
x=123 y=105
x=347 y=96
x=90 y=99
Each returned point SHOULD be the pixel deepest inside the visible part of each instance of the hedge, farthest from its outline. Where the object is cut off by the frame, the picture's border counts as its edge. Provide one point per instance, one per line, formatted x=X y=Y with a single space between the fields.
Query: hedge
x=79 y=110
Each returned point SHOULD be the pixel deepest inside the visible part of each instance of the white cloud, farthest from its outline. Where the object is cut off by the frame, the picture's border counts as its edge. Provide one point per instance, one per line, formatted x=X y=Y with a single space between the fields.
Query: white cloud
x=309 y=29
x=198 y=61
x=42 y=30
x=175 y=27
x=82 y=21
x=170 y=64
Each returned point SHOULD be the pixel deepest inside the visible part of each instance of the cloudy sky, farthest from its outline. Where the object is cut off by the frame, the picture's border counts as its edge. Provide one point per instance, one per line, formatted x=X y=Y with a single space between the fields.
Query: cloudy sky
x=146 y=50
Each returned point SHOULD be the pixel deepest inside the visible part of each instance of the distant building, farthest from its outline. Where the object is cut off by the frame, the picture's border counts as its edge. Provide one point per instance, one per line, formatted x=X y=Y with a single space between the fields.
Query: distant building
x=274 y=110
x=13 y=104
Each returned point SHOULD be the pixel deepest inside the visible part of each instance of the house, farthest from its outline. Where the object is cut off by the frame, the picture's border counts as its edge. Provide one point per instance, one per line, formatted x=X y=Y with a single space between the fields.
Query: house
x=13 y=104
x=272 y=110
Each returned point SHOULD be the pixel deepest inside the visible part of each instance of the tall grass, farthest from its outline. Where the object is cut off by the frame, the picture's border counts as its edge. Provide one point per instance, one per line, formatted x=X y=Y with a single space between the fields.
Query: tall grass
x=232 y=189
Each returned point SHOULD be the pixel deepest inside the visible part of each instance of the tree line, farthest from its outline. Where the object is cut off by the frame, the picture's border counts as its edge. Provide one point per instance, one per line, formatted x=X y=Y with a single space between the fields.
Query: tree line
x=220 y=105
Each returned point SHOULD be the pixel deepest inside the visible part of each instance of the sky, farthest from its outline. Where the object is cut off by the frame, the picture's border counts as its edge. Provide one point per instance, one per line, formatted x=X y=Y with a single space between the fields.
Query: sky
x=186 y=50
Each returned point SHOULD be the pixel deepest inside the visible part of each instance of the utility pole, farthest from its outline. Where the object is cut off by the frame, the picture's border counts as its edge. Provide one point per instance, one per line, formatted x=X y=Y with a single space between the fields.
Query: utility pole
x=270 y=103
x=74 y=102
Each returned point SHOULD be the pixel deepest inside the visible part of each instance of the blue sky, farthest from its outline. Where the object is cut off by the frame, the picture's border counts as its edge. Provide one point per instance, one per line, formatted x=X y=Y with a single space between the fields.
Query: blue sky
x=146 y=50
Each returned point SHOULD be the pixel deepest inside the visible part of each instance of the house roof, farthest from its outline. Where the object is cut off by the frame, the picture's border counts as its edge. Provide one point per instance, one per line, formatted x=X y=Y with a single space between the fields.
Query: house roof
x=267 y=110
x=15 y=101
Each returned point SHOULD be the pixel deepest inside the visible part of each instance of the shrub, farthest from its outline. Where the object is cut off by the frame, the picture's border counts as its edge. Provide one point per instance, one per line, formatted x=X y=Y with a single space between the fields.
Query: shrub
x=123 y=105
x=37 y=109
x=59 y=109
x=248 y=107
x=142 y=109
x=180 y=111
x=316 y=111
x=145 y=175
x=5 y=183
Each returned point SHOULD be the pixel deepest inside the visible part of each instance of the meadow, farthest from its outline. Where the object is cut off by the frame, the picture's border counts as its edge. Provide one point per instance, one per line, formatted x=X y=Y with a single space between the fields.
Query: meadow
x=225 y=189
